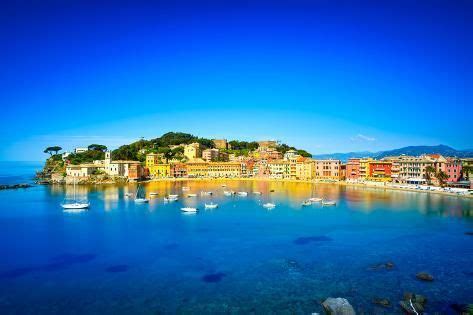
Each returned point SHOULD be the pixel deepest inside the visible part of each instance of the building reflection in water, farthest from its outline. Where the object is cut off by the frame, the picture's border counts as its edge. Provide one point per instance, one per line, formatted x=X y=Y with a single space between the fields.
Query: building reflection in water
x=355 y=198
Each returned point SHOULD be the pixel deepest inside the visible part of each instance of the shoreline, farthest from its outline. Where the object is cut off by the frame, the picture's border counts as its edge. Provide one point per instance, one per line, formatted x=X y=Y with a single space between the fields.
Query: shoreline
x=340 y=183
x=373 y=185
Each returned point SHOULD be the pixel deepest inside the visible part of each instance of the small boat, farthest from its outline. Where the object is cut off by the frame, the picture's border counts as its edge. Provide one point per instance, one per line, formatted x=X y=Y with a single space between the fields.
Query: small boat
x=171 y=198
x=272 y=190
x=223 y=185
x=127 y=195
x=269 y=205
x=74 y=205
x=140 y=195
x=191 y=195
x=306 y=203
x=328 y=203
x=206 y=193
x=228 y=193
x=257 y=193
x=211 y=205
x=189 y=209
x=315 y=199
x=185 y=188
x=153 y=193
x=242 y=193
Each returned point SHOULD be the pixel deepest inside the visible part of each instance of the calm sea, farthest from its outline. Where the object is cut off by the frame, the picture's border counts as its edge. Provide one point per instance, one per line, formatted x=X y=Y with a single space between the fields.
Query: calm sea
x=124 y=258
x=18 y=172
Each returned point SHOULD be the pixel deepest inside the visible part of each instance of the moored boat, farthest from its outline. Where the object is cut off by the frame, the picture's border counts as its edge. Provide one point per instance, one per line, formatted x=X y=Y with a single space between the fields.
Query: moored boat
x=228 y=193
x=211 y=205
x=242 y=193
x=140 y=195
x=315 y=199
x=306 y=203
x=191 y=195
x=269 y=205
x=329 y=202
x=189 y=209
x=74 y=204
x=257 y=193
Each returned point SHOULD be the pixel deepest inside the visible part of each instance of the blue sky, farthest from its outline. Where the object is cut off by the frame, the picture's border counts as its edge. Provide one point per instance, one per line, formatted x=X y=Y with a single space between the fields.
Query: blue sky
x=326 y=76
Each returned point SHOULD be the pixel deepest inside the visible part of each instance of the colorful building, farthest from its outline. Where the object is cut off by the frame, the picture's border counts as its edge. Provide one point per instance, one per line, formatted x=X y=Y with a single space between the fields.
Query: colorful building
x=224 y=169
x=221 y=143
x=178 y=170
x=197 y=169
x=193 y=151
x=453 y=168
x=353 y=169
x=327 y=169
x=279 y=169
x=379 y=171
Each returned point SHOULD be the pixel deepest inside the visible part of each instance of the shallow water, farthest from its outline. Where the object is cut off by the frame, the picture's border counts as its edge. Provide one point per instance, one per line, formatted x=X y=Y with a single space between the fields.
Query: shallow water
x=120 y=257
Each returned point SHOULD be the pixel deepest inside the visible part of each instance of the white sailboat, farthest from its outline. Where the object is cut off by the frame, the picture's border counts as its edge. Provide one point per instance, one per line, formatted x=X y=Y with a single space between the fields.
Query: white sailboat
x=140 y=195
x=74 y=203
x=189 y=209
x=211 y=205
x=269 y=205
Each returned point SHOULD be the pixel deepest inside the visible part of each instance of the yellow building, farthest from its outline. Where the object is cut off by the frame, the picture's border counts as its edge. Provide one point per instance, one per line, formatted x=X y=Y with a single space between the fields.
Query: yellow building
x=193 y=151
x=279 y=169
x=197 y=169
x=160 y=170
x=305 y=170
x=364 y=167
x=153 y=159
x=224 y=169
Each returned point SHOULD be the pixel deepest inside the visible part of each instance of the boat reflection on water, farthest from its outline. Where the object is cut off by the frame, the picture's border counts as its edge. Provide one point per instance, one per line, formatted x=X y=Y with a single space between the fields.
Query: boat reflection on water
x=292 y=194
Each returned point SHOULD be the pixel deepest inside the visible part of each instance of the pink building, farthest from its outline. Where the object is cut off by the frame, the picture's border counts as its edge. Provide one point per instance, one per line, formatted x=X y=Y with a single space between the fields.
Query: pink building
x=353 y=169
x=453 y=168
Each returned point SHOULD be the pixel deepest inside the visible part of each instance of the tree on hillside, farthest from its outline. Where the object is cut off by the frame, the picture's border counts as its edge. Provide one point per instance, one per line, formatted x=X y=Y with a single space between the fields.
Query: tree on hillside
x=97 y=147
x=304 y=153
x=206 y=143
x=54 y=149
x=441 y=177
x=467 y=169
x=429 y=170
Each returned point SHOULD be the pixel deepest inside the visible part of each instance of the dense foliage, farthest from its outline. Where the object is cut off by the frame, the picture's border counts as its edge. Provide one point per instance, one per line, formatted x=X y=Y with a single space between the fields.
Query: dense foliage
x=54 y=149
x=243 y=145
x=138 y=150
x=86 y=157
x=283 y=148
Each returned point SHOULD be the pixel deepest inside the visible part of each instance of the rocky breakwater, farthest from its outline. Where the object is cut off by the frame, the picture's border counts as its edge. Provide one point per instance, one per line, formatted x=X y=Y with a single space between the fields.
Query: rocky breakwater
x=15 y=186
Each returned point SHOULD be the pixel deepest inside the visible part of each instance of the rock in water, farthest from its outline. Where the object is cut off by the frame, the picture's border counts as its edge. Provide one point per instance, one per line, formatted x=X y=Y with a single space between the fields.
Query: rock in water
x=382 y=302
x=413 y=303
x=338 y=306
x=424 y=276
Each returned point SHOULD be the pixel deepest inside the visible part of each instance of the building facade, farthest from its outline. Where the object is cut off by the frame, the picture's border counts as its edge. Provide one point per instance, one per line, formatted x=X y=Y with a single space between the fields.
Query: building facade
x=327 y=169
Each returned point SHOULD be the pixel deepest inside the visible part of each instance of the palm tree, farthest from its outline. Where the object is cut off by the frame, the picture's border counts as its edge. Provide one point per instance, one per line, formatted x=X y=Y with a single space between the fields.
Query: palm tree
x=429 y=170
x=442 y=177
x=467 y=169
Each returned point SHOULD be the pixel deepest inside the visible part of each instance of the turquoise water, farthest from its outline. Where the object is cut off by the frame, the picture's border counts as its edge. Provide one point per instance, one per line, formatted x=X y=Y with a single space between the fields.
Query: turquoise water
x=122 y=258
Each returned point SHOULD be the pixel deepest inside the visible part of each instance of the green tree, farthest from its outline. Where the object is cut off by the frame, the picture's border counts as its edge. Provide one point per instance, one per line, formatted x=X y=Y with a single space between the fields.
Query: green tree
x=442 y=177
x=429 y=170
x=54 y=149
x=97 y=147
x=467 y=169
